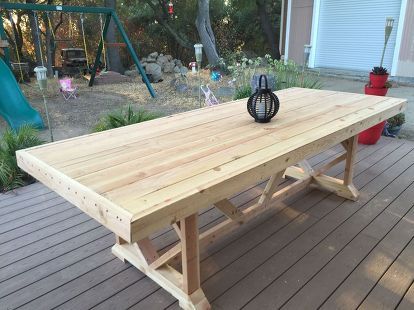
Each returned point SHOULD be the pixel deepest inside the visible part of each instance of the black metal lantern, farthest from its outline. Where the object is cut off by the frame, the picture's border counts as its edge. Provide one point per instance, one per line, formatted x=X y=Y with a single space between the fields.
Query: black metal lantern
x=263 y=104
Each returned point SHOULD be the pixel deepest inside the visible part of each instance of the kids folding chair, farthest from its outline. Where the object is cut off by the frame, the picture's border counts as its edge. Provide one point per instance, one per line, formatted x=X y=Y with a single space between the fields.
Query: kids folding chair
x=210 y=98
x=67 y=90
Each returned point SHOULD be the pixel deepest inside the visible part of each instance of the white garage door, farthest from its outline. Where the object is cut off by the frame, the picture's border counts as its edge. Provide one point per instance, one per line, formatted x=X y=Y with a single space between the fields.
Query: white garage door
x=351 y=33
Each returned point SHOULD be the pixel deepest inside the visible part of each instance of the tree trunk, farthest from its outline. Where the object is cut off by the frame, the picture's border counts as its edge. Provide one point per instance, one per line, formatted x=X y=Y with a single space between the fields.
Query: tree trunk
x=164 y=20
x=265 y=22
x=114 y=58
x=205 y=32
x=35 y=38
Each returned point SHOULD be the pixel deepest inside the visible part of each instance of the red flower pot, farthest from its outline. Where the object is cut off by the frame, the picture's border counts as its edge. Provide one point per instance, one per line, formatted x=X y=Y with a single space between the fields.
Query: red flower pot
x=378 y=80
x=375 y=91
x=371 y=135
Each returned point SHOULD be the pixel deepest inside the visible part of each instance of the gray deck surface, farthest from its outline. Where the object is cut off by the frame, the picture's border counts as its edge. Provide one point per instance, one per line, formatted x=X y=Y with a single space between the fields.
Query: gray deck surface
x=315 y=250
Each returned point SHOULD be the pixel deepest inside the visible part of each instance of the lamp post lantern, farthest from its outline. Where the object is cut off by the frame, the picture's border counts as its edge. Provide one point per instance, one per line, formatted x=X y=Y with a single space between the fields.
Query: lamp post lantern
x=306 y=52
x=198 y=48
x=41 y=77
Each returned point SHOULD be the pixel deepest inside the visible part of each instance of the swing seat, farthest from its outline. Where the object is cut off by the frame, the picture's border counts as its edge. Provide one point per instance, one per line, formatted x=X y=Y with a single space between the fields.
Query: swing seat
x=210 y=98
x=67 y=90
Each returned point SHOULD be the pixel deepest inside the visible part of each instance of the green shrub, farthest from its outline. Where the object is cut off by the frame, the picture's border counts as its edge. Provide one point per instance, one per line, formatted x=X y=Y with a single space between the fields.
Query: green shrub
x=396 y=120
x=287 y=74
x=124 y=118
x=242 y=92
x=11 y=176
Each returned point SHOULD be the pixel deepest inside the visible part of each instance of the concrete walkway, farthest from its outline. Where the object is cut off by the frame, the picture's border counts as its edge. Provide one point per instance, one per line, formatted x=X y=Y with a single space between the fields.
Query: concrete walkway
x=354 y=86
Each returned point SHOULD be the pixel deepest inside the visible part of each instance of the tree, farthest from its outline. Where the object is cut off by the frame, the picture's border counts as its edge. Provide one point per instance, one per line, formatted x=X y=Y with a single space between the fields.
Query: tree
x=114 y=58
x=163 y=18
x=270 y=32
x=34 y=30
x=205 y=31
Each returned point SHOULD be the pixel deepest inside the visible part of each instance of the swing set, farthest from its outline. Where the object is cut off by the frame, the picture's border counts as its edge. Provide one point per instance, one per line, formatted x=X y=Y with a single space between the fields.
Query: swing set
x=109 y=15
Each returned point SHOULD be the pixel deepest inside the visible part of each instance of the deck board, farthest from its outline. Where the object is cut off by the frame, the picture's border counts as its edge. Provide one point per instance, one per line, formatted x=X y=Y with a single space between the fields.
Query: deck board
x=313 y=250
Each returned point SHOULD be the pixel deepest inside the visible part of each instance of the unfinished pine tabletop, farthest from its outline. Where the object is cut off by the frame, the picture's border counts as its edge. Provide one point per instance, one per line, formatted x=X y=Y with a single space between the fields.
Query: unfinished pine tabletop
x=138 y=179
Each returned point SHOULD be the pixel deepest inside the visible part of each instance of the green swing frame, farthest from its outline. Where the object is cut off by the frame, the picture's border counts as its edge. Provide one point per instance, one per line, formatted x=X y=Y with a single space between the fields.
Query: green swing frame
x=109 y=13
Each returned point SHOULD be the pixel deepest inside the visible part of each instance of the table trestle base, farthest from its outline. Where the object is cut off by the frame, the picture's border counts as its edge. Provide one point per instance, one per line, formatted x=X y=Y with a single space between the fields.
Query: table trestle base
x=343 y=188
x=185 y=286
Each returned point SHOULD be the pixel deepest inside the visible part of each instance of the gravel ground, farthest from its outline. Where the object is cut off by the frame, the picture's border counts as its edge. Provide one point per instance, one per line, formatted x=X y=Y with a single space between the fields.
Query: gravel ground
x=78 y=116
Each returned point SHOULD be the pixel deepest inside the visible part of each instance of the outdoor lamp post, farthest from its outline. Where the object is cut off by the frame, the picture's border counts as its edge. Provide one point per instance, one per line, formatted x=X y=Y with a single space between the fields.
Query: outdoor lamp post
x=389 y=24
x=306 y=53
x=198 y=48
x=41 y=78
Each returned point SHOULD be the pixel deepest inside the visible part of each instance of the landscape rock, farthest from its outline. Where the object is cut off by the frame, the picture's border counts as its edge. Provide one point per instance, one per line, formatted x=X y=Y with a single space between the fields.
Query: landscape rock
x=131 y=73
x=153 y=55
x=177 y=69
x=169 y=57
x=162 y=60
x=183 y=70
x=169 y=67
x=154 y=70
x=178 y=63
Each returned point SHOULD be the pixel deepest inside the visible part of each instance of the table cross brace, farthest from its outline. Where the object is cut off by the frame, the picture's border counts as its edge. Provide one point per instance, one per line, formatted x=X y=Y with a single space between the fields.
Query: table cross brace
x=185 y=285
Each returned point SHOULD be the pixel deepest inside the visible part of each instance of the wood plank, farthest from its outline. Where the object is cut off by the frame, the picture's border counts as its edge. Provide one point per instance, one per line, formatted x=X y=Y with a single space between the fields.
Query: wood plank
x=270 y=188
x=228 y=209
x=215 y=188
x=25 y=204
x=350 y=158
x=166 y=145
x=221 y=151
x=190 y=254
x=407 y=302
x=167 y=294
x=394 y=283
x=224 y=257
x=278 y=136
x=280 y=261
x=23 y=193
x=42 y=218
x=105 y=212
x=37 y=246
x=354 y=289
x=350 y=250
x=41 y=264
x=153 y=128
x=212 y=265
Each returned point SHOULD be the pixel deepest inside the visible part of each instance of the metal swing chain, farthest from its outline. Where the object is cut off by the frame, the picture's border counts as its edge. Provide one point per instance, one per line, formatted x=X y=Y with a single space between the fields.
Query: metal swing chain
x=38 y=37
x=84 y=40
x=103 y=42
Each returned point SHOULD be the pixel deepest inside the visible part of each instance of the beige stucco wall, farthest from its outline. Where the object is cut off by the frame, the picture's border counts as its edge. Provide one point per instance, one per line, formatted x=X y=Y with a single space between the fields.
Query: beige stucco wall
x=300 y=28
x=405 y=65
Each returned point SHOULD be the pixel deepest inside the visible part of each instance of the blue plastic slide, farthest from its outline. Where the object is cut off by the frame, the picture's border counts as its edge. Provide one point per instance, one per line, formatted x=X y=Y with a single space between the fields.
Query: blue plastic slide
x=14 y=107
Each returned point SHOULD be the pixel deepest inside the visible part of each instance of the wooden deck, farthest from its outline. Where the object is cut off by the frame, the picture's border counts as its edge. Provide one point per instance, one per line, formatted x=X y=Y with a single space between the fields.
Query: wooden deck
x=315 y=250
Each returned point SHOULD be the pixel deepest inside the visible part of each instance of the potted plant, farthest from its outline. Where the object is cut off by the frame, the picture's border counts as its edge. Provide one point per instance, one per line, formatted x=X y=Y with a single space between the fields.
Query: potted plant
x=378 y=86
x=378 y=77
x=394 y=124
x=370 y=90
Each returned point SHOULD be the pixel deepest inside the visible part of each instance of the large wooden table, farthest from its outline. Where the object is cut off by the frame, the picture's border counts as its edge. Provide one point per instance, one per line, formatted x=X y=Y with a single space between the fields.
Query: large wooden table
x=139 y=179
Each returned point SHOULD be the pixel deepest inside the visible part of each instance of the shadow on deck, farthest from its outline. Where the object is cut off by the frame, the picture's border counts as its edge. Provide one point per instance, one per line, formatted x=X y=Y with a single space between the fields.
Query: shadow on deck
x=315 y=250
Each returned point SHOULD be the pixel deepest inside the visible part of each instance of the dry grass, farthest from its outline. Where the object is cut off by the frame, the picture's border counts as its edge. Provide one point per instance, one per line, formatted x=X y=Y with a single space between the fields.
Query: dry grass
x=77 y=117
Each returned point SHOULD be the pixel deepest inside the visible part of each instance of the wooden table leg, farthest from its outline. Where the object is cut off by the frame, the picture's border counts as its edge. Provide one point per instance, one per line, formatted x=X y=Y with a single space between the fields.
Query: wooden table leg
x=184 y=286
x=190 y=257
x=190 y=254
x=344 y=188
